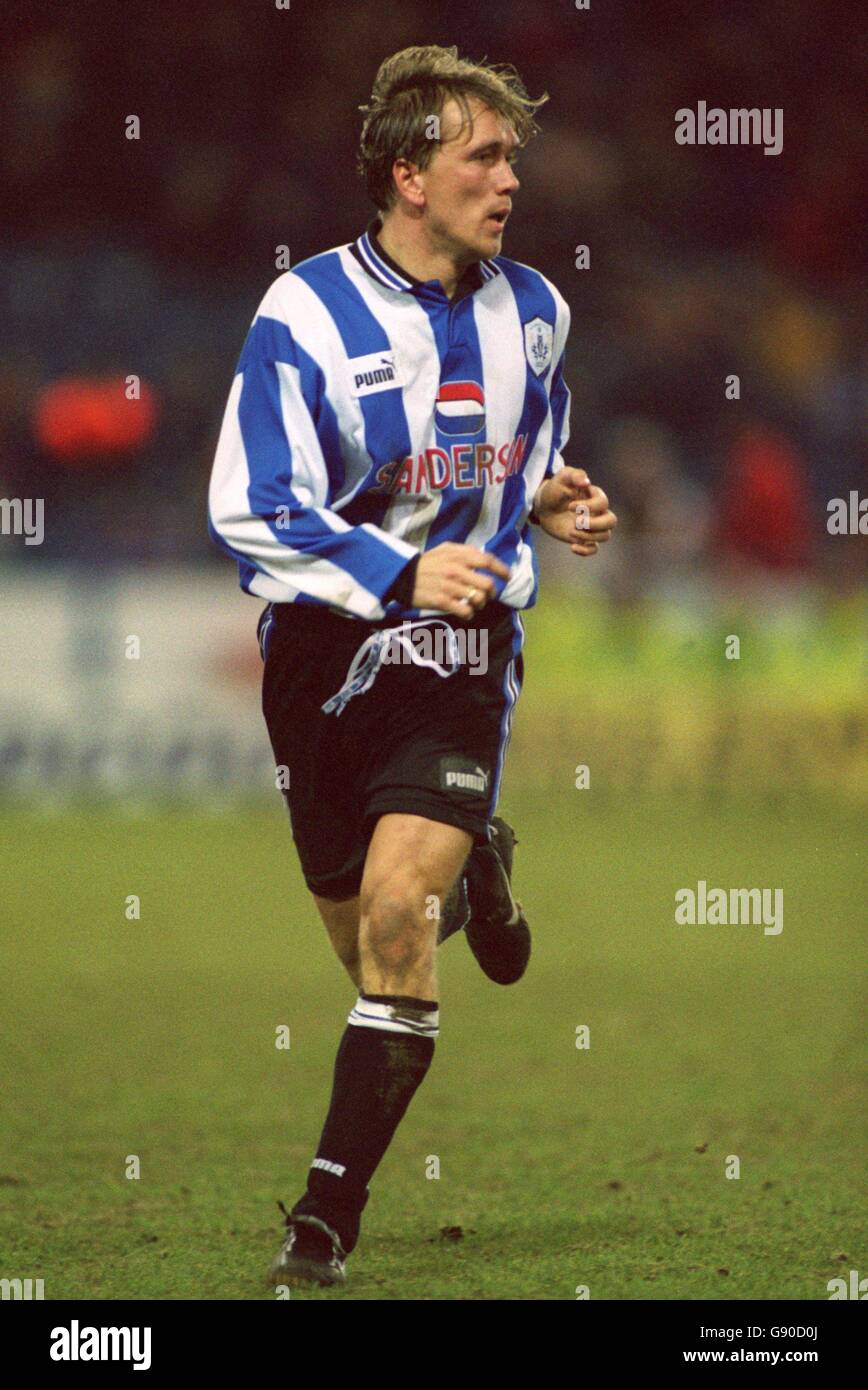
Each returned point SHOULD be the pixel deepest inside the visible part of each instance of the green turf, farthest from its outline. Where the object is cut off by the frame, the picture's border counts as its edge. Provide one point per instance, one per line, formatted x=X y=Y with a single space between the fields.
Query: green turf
x=562 y=1167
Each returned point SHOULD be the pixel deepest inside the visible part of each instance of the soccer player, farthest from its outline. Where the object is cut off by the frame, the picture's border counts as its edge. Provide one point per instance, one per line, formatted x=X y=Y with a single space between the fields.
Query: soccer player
x=395 y=424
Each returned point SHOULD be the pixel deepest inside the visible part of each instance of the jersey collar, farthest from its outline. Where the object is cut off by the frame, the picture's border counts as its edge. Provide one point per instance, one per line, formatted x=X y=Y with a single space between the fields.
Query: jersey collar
x=379 y=265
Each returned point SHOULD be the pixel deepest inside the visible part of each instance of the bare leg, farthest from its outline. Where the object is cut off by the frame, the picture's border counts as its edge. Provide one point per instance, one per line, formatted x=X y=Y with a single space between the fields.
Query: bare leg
x=388 y=1043
x=341 y=921
x=411 y=862
x=415 y=846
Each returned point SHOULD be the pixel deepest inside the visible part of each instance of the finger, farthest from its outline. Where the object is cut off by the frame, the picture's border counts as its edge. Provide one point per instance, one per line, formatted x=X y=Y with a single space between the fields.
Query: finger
x=468 y=579
x=594 y=505
x=589 y=549
x=607 y=522
x=470 y=556
x=491 y=562
x=573 y=478
x=453 y=599
x=469 y=593
x=456 y=608
x=598 y=502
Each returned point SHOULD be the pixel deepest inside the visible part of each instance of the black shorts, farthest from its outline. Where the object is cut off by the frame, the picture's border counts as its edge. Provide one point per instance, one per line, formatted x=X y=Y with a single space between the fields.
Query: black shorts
x=414 y=742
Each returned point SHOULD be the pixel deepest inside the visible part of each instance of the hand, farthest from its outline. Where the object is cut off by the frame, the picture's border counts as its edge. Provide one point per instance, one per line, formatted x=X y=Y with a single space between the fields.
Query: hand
x=572 y=509
x=450 y=577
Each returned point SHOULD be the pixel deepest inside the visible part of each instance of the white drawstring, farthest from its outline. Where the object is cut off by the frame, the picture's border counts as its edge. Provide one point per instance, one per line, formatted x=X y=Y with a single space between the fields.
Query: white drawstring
x=367 y=661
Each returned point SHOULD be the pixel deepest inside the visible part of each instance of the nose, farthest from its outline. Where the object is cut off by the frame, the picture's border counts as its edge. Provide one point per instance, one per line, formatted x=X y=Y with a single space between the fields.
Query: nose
x=508 y=182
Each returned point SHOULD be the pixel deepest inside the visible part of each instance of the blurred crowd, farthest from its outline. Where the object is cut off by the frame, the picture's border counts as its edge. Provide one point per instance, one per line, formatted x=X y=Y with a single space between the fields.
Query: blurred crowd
x=148 y=257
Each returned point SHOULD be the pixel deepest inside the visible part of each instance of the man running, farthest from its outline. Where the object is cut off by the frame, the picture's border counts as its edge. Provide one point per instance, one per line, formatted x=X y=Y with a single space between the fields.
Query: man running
x=395 y=424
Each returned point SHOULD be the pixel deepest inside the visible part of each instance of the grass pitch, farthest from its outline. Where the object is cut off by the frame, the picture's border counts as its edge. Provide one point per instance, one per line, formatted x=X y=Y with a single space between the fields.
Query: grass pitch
x=562 y=1167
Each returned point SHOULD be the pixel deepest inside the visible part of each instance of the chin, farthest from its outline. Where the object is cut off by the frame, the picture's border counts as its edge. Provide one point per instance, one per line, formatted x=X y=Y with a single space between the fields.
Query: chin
x=490 y=245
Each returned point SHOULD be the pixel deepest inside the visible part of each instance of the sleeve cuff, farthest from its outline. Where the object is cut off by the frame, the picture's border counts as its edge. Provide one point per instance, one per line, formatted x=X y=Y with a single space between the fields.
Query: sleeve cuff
x=401 y=589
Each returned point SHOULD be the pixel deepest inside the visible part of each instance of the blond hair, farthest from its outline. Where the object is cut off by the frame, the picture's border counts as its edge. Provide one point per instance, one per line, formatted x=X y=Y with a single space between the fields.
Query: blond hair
x=414 y=85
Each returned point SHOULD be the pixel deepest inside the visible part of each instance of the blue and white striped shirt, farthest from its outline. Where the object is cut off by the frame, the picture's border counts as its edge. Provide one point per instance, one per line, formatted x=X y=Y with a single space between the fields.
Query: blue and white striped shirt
x=371 y=419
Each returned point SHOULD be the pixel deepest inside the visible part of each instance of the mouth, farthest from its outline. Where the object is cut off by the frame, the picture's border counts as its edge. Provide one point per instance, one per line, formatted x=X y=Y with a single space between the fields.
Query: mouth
x=498 y=219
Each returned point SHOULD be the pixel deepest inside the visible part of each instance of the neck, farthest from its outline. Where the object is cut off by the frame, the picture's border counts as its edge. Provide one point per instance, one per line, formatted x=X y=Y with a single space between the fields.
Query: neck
x=408 y=241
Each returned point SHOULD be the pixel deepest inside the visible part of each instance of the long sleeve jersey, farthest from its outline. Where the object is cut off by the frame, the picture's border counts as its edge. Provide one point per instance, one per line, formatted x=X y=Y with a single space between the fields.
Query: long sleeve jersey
x=371 y=418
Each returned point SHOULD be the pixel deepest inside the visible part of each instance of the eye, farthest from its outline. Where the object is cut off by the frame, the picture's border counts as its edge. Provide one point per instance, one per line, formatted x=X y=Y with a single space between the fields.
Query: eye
x=494 y=156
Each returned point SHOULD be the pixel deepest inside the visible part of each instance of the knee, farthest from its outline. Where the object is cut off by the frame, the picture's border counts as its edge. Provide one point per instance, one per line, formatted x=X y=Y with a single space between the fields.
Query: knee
x=394 y=928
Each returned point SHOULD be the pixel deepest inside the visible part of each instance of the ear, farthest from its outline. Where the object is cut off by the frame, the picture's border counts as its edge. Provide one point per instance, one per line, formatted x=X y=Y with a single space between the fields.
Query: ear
x=407 y=176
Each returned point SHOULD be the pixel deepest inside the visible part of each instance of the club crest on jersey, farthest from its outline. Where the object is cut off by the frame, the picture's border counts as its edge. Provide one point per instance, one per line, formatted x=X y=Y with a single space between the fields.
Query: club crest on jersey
x=460 y=407
x=538 y=339
x=376 y=371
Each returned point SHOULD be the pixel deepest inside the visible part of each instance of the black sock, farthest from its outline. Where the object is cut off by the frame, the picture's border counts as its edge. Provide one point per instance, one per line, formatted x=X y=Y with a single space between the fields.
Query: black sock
x=384 y=1054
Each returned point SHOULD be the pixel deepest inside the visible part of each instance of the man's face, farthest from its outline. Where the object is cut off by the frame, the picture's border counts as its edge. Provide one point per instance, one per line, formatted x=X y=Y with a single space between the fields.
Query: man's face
x=469 y=183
